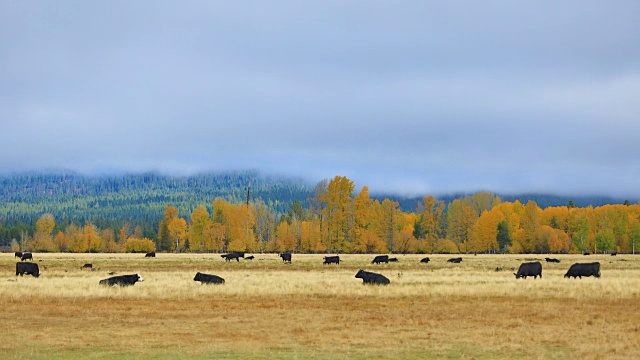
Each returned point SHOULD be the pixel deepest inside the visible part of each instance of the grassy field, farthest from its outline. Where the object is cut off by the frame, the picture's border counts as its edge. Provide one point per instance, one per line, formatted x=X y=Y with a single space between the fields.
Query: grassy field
x=306 y=310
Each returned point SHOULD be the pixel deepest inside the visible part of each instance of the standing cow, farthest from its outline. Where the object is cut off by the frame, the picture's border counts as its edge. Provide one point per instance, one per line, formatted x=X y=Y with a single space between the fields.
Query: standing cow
x=150 y=254
x=286 y=257
x=381 y=259
x=231 y=256
x=17 y=254
x=26 y=256
x=529 y=269
x=372 y=278
x=584 y=269
x=27 y=268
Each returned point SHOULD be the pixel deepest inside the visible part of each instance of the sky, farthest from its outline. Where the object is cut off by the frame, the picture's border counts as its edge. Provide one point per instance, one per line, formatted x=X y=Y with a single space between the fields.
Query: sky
x=411 y=97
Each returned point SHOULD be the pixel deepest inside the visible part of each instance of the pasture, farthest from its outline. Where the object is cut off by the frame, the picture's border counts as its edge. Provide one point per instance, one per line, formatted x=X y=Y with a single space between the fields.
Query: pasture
x=307 y=310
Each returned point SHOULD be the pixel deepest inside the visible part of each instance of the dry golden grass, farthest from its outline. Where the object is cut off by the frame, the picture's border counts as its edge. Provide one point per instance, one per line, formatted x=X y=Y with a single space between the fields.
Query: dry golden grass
x=268 y=309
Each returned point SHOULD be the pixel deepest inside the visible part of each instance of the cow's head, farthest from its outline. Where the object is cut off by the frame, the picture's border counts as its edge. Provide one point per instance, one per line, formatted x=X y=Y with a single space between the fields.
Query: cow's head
x=517 y=277
x=360 y=274
x=140 y=277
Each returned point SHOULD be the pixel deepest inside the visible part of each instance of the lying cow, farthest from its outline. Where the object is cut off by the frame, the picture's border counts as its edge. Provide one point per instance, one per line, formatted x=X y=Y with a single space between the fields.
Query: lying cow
x=393 y=259
x=250 y=257
x=529 y=269
x=372 y=278
x=150 y=254
x=455 y=260
x=552 y=260
x=27 y=268
x=381 y=259
x=17 y=254
x=122 y=280
x=425 y=260
x=584 y=269
x=231 y=256
x=208 y=279
x=26 y=256
x=87 y=266
x=286 y=257
x=331 y=260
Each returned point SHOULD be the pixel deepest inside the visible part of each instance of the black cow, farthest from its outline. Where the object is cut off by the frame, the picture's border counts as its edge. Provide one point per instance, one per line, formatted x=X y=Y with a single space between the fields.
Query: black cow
x=614 y=253
x=380 y=259
x=231 y=256
x=584 y=269
x=26 y=256
x=425 y=260
x=208 y=279
x=372 y=278
x=27 y=268
x=529 y=269
x=455 y=260
x=249 y=257
x=393 y=259
x=122 y=280
x=331 y=260
x=18 y=254
x=150 y=254
x=586 y=253
x=553 y=260
x=87 y=266
x=285 y=257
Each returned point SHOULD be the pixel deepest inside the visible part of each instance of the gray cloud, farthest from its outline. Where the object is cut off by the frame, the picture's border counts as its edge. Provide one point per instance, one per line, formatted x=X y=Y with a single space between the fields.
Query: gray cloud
x=418 y=97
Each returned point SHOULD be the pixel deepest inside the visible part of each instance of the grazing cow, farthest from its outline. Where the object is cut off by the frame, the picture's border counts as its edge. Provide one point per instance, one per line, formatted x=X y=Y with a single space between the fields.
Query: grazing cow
x=249 y=257
x=529 y=269
x=18 y=254
x=27 y=268
x=614 y=253
x=380 y=259
x=455 y=260
x=372 y=278
x=393 y=259
x=331 y=260
x=87 y=266
x=425 y=260
x=584 y=269
x=122 y=280
x=586 y=253
x=553 y=260
x=286 y=257
x=26 y=256
x=208 y=279
x=150 y=254
x=231 y=256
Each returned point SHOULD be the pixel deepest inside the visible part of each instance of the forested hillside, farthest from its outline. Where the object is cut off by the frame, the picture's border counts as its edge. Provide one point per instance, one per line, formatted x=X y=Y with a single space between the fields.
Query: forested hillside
x=139 y=212
x=138 y=200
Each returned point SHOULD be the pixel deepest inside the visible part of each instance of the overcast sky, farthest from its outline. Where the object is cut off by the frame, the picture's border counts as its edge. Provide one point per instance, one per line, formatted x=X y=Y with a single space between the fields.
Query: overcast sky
x=413 y=97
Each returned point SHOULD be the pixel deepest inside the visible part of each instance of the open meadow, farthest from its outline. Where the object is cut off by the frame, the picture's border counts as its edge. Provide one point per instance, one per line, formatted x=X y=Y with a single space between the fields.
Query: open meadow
x=271 y=310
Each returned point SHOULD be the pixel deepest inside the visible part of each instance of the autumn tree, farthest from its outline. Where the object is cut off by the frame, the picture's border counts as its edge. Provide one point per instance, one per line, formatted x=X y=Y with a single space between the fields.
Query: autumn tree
x=264 y=227
x=165 y=241
x=460 y=218
x=199 y=220
x=42 y=239
x=338 y=199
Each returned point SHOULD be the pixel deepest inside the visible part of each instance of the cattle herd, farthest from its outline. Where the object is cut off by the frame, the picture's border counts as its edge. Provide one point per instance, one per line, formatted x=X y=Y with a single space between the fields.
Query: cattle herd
x=525 y=270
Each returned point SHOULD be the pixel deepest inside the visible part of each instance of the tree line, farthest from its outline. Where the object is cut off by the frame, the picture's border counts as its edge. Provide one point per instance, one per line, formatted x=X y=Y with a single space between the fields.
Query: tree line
x=336 y=219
